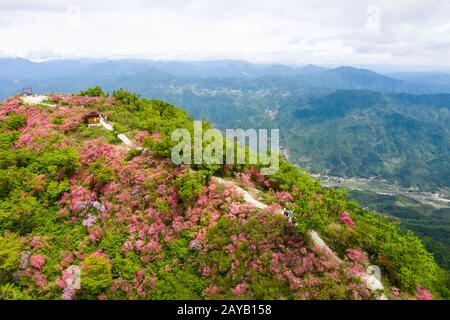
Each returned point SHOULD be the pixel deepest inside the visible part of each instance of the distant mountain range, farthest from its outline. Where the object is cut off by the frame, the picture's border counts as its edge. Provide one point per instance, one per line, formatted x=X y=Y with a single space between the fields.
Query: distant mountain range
x=16 y=73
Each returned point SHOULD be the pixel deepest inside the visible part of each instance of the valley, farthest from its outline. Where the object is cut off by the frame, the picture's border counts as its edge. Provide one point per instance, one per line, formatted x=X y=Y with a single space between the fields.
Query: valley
x=425 y=213
x=439 y=200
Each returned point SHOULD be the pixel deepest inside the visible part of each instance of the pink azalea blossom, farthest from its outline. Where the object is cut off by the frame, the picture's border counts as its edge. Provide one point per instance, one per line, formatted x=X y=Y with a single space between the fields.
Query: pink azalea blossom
x=155 y=136
x=356 y=269
x=239 y=290
x=195 y=245
x=35 y=242
x=347 y=220
x=39 y=279
x=95 y=234
x=37 y=261
x=423 y=294
x=140 y=273
x=243 y=177
x=211 y=290
x=140 y=136
x=284 y=196
x=161 y=189
x=206 y=271
x=60 y=283
x=356 y=255
x=102 y=296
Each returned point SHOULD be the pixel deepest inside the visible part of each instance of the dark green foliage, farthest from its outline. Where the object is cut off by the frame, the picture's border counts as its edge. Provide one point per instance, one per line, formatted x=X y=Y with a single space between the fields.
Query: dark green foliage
x=57 y=121
x=16 y=121
x=95 y=275
x=125 y=97
x=102 y=173
x=189 y=186
x=93 y=92
x=10 y=292
x=134 y=153
x=431 y=224
x=58 y=163
x=10 y=248
x=401 y=254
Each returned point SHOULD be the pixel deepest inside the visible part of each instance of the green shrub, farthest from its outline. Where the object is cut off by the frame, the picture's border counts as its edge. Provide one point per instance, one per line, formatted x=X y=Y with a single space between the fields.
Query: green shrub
x=57 y=121
x=102 y=173
x=125 y=97
x=95 y=275
x=189 y=187
x=58 y=163
x=93 y=92
x=10 y=292
x=16 y=121
x=10 y=249
x=134 y=153
x=55 y=189
x=401 y=254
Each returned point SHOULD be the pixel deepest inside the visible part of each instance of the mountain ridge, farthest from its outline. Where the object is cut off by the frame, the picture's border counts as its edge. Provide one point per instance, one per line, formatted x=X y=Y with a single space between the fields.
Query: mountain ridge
x=352 y=77
x=142 y=222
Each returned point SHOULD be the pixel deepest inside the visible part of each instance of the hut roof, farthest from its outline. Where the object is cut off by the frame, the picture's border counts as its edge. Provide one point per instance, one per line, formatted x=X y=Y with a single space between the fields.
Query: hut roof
x=92 y=113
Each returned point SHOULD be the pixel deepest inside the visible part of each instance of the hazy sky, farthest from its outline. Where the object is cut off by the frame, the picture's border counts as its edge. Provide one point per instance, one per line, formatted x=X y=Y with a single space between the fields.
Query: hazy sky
x=401 y=32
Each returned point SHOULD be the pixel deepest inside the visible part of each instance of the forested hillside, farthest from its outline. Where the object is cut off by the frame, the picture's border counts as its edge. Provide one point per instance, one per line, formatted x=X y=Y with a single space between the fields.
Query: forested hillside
x=140 y=227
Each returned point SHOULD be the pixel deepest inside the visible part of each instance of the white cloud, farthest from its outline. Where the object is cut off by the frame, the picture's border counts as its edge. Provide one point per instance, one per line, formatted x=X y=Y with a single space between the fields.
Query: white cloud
x=406 y=32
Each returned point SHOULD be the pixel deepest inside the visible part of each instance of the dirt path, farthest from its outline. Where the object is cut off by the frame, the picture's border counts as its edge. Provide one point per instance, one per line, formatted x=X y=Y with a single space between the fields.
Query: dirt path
x=373 y=283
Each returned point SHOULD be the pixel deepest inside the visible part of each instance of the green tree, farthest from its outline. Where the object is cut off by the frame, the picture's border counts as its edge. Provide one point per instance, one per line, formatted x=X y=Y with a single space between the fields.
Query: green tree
x=189 y=186
x=94 y=92
x=95 y=275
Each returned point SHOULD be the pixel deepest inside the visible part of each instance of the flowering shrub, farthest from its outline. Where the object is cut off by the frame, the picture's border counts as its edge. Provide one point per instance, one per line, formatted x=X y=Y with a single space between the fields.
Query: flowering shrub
x=357 y=255
x=139 y=138
x=239 y=290
x=156 y=136
x=347 y=220
x=423 y=294
x=284 y=197
x=76 y=100
x=256 y=176
x=244 y=255
x=95 y=234
x=79 y=198
x=37 y=261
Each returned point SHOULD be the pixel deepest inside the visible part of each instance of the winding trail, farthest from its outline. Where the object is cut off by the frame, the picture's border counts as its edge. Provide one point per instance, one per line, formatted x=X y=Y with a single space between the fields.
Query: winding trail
x=373 y=282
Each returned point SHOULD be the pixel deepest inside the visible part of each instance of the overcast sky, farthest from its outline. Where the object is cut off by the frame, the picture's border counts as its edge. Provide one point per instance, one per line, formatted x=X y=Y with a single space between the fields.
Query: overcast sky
x=398 y=32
